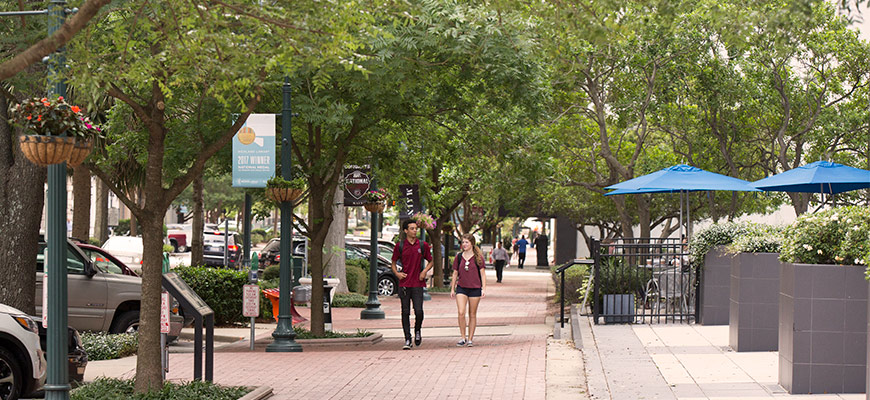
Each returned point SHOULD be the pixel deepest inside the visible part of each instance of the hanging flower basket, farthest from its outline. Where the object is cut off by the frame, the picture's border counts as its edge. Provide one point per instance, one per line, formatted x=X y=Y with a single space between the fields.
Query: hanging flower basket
x=375 y=207
x=447 y=227
x=282 y=195
x=80 y=151
x=46 y=150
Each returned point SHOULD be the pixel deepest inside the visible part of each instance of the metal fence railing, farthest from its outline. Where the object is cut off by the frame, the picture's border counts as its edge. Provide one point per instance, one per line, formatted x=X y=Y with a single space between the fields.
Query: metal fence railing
x=643 y=280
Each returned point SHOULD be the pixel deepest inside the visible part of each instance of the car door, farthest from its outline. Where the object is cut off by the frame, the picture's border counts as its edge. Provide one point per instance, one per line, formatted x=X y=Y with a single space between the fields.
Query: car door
x=86 y=296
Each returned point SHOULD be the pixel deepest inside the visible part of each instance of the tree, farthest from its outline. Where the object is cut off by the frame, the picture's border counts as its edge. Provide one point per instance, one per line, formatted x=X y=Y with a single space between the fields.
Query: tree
x=172 y=67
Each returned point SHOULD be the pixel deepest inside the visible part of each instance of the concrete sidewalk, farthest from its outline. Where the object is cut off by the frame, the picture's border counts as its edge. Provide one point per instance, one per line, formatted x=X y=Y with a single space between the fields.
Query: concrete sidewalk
x=678 y=361
x=515 y=356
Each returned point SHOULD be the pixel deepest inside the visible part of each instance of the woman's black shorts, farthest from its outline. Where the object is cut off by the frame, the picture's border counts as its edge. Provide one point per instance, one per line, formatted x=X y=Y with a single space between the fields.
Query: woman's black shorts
x=470 y=292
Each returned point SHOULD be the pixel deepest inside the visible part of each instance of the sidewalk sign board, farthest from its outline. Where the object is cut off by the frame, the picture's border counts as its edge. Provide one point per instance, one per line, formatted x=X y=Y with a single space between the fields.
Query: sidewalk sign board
x=251 y=301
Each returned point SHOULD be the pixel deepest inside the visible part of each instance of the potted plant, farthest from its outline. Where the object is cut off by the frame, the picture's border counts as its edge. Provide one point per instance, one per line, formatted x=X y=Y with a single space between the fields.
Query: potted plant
x=424 y=221
x=823 y=301
x=53 y=130
x=376 y=200
x=448 y=227
x=281 y=190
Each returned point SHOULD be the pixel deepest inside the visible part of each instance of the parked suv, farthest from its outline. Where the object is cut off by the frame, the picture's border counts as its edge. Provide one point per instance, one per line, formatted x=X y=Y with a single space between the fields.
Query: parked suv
x=22 y=361
x=213 y=249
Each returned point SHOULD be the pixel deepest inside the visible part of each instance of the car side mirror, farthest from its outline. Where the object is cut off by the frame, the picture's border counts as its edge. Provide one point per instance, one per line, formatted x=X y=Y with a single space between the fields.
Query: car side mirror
x=90 y=269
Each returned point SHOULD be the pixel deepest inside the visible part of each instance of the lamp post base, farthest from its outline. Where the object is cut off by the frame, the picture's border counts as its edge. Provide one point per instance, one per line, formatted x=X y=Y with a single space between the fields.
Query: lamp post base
x=284 y=340
x=372 y=312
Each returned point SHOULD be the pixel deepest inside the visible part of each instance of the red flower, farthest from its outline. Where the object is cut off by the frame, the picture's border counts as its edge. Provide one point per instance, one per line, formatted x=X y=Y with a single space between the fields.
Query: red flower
x=39 y=118
x=29 y=117
x=75 y=109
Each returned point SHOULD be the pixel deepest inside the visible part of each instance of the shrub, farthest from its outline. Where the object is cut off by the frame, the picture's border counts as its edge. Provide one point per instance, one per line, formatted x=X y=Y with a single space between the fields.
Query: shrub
x=102 y=346
x=94 y=241
x=257 y=238
x=221 y=289
x=716 y=235
x=302 y=333
x=259 y=231
x=272 y=272
x=111 y=388
x=576 y=279
x=362 y=264
x=759 y=239
x=349 y=300
x=834 y=236
x=356 y=279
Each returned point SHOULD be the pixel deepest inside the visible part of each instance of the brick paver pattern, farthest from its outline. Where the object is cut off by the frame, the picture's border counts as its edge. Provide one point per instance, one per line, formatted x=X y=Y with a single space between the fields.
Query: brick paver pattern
x=503 y=366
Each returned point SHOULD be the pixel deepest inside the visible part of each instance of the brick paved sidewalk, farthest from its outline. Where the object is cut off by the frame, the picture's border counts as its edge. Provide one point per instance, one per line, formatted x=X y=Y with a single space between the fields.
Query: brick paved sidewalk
x=507 y=362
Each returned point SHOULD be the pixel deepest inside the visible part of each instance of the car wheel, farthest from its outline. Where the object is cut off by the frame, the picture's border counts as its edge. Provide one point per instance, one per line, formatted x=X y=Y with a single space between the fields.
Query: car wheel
x=386 y=286
x=10 y=376
x=127 y=322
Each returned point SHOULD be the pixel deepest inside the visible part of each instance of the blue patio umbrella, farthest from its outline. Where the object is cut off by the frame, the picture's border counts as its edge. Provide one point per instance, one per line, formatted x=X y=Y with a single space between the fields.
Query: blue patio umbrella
x=680 y=178
x=818 y=177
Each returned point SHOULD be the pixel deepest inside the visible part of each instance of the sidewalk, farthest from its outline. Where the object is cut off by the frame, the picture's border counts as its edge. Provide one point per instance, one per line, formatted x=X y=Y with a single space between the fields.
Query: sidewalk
x=509 y=361
x=678 y=361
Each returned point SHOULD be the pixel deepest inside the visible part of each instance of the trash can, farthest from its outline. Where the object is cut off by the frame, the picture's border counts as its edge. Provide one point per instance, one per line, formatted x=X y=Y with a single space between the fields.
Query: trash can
x=302 y=294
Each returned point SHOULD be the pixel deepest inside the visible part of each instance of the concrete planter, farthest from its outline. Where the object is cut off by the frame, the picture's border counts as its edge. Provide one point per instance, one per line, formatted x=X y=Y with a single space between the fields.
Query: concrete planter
x=822 y=328
x=754 y=307
x=715 y=290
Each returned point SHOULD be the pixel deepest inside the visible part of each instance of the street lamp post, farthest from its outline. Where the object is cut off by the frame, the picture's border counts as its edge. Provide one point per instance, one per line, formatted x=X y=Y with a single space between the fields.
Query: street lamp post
x=284 y=336
x=373 y=306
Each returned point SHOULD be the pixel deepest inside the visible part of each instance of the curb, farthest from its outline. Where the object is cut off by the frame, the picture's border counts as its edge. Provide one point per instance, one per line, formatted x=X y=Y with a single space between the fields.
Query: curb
x=355 y=341
x=259 y=393
x=575 y=327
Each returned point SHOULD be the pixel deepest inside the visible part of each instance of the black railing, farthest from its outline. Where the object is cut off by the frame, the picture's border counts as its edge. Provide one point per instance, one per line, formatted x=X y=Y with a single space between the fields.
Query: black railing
x=561 y=272
x=643 y=280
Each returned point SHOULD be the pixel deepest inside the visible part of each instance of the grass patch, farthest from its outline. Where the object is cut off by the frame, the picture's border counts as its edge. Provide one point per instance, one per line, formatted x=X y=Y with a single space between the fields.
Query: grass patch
x=302 y=333
x=102 y=346
x=349 y=300
x=119 y=389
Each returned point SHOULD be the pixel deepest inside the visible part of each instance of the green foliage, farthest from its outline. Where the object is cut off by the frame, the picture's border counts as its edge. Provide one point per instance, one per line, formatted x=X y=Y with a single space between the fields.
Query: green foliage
x=717 y=235
x=94 y=241
x=759 y=239
x=259 y=231
x=349 y=300
x=302 y=333
x=272 y=272
x=618 y=276
x=281 y=183
x=576 y=280
x=257 y=238
x=356 y=279
x=120 y=389
x=53 y=117
x=103 y=346
x=167 y=248
x=221 y=289
x=834 y=236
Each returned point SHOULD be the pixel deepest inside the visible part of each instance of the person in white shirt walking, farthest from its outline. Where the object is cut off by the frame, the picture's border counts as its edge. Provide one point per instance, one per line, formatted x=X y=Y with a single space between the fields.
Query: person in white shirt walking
x=500 y=255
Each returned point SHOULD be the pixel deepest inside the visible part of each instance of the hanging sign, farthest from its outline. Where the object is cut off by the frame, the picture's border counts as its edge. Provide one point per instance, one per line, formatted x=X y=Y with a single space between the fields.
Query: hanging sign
x=164 y=312
x=409 y=201
x=357 y=180
x=254 y=152
x=251 y=300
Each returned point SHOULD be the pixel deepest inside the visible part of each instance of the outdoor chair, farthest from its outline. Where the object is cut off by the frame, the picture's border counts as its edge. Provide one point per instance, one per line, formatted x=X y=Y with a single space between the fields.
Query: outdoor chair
x=668 y=287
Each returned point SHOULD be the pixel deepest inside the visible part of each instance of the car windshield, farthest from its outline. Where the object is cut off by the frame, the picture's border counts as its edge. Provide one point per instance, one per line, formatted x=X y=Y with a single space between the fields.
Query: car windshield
x=104 y=263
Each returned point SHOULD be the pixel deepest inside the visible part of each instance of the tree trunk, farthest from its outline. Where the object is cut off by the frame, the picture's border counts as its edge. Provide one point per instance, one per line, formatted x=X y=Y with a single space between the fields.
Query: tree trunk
x=101 y=219
x=21 y=200
x=198 y=224
x=334 y=250
x=148 y=375
x=437 y=257
x=800 y=202
x=81 y=203
x=319 y=222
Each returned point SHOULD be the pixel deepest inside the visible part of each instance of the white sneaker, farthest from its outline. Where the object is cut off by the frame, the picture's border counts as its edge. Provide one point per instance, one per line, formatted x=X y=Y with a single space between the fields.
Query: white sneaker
x=461 y=343
x=469 y=344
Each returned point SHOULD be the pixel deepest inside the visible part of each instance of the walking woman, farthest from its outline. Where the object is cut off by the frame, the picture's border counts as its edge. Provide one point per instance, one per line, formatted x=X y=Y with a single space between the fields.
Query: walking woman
x=468 y=286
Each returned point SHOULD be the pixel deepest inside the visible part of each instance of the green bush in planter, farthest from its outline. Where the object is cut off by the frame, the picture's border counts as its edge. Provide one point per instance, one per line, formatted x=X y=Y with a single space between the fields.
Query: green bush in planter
x=272 y=272
x=835 y=236
x=716 y=235
x=102 y=346
x=112 y=388
x=759 y=239
x=349 y=300
x=221 y=289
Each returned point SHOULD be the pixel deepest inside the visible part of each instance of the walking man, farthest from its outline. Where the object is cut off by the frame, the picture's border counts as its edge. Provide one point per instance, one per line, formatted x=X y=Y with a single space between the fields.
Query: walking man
x=410 y=253
x=500 y=255
x=521 y=250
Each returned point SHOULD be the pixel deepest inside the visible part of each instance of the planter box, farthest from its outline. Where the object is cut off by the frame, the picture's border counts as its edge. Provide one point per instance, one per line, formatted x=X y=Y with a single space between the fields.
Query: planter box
x=754 y=313
x=616 y=304
x=715 y=290
x=822 y=328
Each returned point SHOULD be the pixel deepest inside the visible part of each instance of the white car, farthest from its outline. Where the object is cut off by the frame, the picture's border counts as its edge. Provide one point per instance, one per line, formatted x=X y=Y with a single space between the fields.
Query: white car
x=127 y=249
x=22 y=362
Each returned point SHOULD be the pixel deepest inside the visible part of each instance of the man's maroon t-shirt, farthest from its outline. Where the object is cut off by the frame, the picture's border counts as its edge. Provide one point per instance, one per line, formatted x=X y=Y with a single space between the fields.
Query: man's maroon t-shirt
x=411 y=265
x=468 y=279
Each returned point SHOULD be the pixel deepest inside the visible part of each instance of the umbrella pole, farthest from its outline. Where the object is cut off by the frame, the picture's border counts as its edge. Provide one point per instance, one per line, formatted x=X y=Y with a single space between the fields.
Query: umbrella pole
x=688 y=217
x=681 y=215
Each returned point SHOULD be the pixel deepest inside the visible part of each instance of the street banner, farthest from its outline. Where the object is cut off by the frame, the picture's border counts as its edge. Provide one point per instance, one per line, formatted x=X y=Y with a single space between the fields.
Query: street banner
x=164 y=312
x=357 y=180
x=254 y=152
x=409 y=201
x=251 y=301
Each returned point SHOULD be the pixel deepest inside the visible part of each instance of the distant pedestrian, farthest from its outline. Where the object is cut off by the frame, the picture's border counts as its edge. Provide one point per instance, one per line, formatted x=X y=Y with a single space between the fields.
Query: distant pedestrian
x=411 y=252
x=500 y=255
x=521 y=250
x=468 y=286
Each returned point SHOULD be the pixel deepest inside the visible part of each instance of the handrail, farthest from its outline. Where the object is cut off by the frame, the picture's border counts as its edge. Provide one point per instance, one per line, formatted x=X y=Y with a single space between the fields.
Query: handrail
x=561 y=271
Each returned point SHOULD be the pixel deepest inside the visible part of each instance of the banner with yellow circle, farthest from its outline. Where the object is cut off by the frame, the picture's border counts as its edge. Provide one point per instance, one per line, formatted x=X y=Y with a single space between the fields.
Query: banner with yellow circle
x=254 y=152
